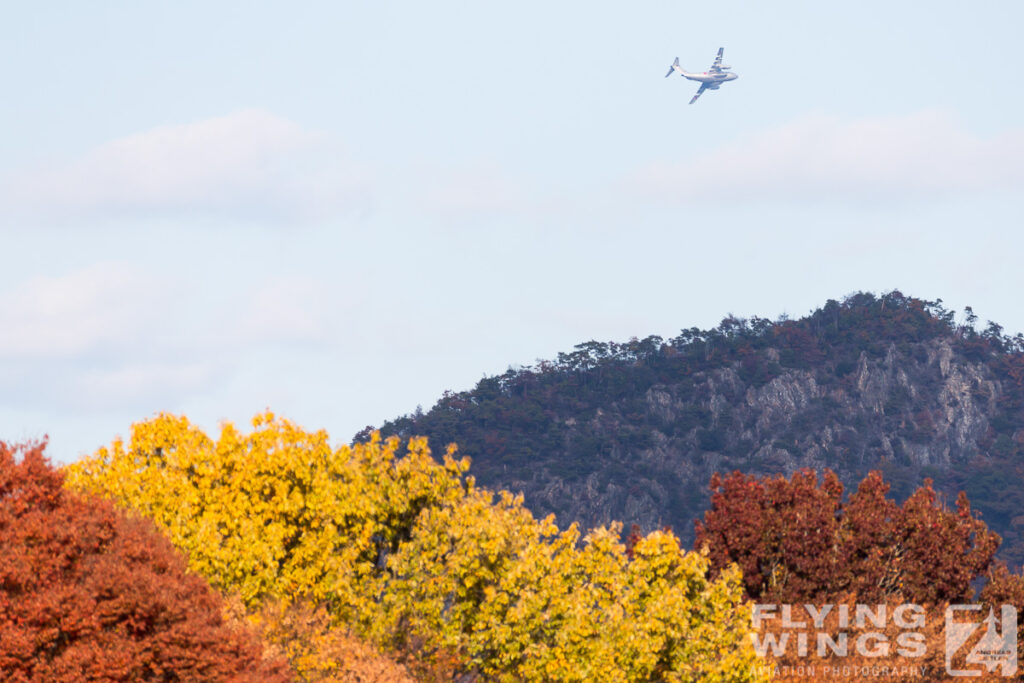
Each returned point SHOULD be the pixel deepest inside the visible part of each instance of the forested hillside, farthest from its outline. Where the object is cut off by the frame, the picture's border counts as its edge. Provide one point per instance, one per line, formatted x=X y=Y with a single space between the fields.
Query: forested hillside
x=633 y=431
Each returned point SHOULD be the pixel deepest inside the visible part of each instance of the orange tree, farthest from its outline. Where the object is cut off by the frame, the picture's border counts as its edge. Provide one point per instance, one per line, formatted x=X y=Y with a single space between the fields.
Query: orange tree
x=87 y=593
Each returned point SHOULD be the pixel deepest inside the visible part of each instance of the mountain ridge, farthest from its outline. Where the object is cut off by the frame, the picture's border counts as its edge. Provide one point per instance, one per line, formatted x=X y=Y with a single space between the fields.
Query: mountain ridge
x=633 y=431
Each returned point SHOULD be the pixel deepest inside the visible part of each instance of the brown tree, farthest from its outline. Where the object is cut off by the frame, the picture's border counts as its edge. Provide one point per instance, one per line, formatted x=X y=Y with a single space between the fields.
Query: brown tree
x=943 y=550
x=795 y=539
x=781 y=533
x=87 y=593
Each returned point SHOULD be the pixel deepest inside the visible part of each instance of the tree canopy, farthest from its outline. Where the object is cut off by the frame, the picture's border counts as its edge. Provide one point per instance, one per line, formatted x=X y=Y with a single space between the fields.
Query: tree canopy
x=411 y=553
x=88 y=593
x=797 y=540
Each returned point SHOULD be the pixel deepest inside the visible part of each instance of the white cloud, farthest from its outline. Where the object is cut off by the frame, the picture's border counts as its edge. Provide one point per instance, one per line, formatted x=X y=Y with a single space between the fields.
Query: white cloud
x=93 y=338
x=824 y=158
x=66 y=315
x=111 y=336
x=249 y=165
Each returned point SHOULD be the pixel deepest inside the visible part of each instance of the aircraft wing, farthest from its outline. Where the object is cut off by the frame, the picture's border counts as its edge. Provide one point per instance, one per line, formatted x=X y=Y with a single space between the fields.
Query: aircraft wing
x=700 y=91
x=717 y=66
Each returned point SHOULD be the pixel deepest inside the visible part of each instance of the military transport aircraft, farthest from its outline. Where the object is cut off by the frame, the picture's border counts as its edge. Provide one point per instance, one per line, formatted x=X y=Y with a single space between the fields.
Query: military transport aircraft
x=712 y=79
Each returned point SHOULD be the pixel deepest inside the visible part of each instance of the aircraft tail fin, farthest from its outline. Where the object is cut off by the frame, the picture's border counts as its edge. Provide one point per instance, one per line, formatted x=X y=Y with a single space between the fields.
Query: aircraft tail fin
x=675 y=65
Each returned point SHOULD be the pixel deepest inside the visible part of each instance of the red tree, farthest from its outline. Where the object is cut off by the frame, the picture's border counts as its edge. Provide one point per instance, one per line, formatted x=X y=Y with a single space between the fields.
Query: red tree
x=780 y=533
x=795 y=540
x=87 y=593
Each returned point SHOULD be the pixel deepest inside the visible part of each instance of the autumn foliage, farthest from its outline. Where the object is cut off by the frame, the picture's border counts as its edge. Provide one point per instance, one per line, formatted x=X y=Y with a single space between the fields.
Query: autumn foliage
x=802 y=546
x=277 y=511
x=521 y=600
x=797 y=540
x=412 y=555
x=305 y=635
x=357 y=563
x=89 y=594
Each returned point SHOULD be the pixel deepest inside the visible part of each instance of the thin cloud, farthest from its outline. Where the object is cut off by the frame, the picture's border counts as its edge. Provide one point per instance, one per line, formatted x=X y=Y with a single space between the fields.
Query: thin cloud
x=820 y=158
x=112 y=336
x=91 y=338
x=249 y=166
x=101 y=305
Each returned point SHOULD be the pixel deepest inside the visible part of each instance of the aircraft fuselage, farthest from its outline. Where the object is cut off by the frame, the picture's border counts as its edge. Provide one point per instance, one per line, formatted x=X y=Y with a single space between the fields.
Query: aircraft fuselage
x=710 y=77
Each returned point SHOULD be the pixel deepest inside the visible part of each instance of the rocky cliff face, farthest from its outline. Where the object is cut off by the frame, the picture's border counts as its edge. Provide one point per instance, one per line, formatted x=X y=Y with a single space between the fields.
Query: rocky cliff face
x=622 y=436
x=921 y=413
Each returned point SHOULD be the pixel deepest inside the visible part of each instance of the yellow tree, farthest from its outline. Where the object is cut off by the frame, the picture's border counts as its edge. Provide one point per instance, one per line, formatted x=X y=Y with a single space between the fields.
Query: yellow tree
x=518 y=600
x=408 y=551
x=276 y=511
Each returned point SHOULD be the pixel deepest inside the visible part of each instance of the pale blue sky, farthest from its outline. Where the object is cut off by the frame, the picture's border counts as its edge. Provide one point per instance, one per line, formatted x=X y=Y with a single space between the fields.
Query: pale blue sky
x=339 y=210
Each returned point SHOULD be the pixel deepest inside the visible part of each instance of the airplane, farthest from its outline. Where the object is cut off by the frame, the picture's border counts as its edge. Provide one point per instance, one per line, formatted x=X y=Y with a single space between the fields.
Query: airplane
x=712 y=79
